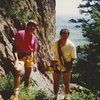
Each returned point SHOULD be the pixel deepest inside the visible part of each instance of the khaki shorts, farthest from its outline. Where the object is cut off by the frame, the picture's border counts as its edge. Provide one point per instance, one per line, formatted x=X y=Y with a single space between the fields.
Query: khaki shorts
x=27 y=58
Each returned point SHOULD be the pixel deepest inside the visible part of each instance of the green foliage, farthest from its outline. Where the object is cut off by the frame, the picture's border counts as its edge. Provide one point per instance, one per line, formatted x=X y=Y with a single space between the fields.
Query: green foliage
x=29 y=93
x=22 y=12
x=87 y=70
x=83 y=95
x=20 y=9
x=26 y=93
x=6 y=82
x=41 y=95
x=33 y=93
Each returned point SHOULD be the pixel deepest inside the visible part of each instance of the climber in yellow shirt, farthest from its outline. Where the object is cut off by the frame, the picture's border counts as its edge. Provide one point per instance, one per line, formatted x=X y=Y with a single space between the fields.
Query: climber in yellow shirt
x=64 y=54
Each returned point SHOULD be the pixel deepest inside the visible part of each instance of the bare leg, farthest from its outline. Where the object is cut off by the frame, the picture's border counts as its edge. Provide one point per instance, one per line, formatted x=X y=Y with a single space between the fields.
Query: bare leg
x=56 y=78
x=27 y=76
x=16 y=85
x=17 y=79
x=66 y=78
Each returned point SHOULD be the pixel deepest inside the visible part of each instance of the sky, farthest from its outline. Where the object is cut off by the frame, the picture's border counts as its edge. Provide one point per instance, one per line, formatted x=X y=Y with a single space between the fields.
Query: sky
x=67 y=7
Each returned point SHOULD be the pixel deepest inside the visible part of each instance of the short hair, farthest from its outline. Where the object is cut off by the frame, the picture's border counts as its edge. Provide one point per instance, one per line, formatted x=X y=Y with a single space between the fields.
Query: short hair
x=31 y=23
x=65 y=30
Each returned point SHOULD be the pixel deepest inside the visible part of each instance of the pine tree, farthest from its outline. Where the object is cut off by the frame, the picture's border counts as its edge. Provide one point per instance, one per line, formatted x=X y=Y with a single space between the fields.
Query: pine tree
x=89 y=63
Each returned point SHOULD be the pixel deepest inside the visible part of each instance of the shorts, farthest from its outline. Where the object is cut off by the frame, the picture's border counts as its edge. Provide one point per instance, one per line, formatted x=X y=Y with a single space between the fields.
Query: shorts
x=28 y=59
x=62 y=69
x=21 y=55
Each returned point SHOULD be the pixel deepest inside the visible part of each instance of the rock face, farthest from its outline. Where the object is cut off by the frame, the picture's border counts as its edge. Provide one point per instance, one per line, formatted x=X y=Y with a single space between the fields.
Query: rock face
x=13 y=16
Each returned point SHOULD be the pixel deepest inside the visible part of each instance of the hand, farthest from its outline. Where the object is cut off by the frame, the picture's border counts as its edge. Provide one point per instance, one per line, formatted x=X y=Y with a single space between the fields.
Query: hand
x=18 y=65
x=53 y=62
x=35 y=67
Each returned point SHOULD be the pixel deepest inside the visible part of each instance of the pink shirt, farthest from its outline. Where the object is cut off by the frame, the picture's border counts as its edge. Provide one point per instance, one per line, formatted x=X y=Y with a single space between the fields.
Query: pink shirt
x=24 y=42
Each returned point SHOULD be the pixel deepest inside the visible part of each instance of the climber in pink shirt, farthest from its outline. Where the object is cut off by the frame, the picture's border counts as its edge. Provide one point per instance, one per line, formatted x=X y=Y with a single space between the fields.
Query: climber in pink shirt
x=24 y=51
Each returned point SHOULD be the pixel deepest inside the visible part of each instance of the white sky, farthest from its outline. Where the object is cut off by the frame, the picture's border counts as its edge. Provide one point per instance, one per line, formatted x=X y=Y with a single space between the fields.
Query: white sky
x=67 y=7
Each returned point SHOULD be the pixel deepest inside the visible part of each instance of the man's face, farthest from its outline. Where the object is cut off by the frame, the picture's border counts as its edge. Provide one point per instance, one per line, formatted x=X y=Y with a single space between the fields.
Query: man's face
x=64 y=37
x=32 y=28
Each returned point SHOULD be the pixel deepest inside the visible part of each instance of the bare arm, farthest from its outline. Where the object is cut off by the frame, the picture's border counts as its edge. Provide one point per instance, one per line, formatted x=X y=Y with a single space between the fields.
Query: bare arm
x=34 y=55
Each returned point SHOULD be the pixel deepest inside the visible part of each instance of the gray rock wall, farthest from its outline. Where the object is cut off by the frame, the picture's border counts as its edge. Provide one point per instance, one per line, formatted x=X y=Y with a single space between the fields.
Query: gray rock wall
x=13 y=16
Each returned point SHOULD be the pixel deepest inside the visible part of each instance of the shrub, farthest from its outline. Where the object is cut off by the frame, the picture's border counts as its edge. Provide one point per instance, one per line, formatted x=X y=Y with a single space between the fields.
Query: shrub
x=6 y=82
x=33 y=93
x=84 y=95
x=41 y=95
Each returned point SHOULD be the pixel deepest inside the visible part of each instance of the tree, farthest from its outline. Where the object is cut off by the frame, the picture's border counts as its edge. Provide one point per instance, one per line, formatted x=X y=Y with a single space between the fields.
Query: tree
x=88 y=64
